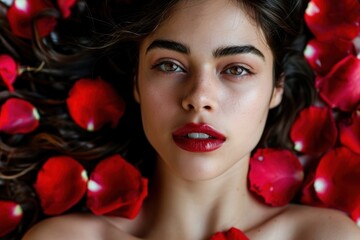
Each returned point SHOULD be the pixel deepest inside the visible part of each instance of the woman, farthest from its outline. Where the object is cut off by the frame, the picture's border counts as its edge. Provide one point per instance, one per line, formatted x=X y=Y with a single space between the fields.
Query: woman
x=211 y=71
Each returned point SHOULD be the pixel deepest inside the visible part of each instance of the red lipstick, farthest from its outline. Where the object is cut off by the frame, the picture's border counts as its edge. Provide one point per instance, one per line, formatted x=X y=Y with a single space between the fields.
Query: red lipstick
x=194 y=137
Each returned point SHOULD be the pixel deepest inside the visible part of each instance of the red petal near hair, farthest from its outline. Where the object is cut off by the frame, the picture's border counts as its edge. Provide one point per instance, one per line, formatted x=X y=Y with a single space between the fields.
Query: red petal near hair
x=350 y=132
x=231 y=234
x=322 y=55
x=337 y=179
x=10 y=215
x=340 y=88
x=275 y=175
x=333 y=18
x=8 y=70
x=65 y=7
x=314 y=131
x=93 y=103
x=18 y=116
x=60 y=184
x=21 y=14
x=116 y=188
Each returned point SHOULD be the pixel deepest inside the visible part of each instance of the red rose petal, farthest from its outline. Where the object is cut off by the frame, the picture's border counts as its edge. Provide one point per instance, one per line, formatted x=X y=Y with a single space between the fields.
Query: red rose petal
x=116 y=188
x=337 y=179
x=322 y=55
x=60 y=184
x=65 y=7
x=10 y=215
x=21 y=14
x=314 y=131
x=308 y=195
x=340 y=88
x=350 y=133
x=332 y=18
x=8 y=70
x=93 y=103
x=275 y=175
x=231 y=234
x=18 y=116
x=355 y=215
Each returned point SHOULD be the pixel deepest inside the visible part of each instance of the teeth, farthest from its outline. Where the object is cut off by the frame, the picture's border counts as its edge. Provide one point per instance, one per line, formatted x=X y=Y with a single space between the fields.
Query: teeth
x=198 y=135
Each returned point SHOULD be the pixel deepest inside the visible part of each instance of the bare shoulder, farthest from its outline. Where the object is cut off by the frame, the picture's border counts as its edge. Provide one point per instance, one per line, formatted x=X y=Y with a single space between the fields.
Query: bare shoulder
x=73 y=226
x=319 y=223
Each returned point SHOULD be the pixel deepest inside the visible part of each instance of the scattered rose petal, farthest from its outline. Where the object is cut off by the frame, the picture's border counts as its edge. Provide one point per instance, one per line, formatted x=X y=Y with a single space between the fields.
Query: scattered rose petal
x=10 y=214
x=21 y=14
x=93 y=103
x=8 y=70
x=355 y=215
x=322 y=55
x=231 y=234
x=340 y=88
x=65 y=7
x=18 y=116
x=350 y=133
x=60 y=184
x=337 y=178
x=308 y=195
x=332 y=18
x=314 y=131
x=116 y=188
x=275 y=175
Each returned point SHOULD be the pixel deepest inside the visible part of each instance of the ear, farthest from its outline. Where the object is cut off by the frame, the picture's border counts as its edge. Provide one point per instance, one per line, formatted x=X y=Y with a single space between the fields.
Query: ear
x=136 y=89
x=277 y=92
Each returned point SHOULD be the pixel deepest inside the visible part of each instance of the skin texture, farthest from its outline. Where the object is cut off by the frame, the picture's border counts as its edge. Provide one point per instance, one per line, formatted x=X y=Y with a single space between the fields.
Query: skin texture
x=194 y=195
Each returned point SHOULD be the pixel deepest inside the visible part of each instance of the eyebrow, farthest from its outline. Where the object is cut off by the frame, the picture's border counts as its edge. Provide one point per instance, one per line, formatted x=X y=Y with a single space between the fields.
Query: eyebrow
x=170 y=45
x=220 y=52
x=233 y=50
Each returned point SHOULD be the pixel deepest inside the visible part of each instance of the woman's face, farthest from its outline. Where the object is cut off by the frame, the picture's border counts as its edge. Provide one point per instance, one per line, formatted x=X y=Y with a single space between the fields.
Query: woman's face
x=205 y=86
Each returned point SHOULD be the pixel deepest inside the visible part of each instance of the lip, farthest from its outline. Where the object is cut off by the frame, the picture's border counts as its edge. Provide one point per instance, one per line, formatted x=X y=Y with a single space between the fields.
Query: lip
x=198 y=145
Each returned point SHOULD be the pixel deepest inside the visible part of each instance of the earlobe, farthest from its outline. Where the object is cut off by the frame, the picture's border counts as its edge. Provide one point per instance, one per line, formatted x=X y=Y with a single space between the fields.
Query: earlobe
x=277 y=93
x=136 y=90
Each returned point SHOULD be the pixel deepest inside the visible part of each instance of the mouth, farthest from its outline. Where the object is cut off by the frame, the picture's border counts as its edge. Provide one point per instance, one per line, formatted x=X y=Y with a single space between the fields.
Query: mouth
x=198 y=138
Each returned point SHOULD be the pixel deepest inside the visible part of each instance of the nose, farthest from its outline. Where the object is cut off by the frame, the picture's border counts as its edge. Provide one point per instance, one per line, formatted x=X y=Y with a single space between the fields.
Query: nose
x=201 y=94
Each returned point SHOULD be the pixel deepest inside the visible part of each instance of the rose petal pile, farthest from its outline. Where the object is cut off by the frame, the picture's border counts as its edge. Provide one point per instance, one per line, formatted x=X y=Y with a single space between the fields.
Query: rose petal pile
x=333 y=175
x=275 y=175
x=231 y=234
x=93 y=103
x=115 y=187
x=11 y=215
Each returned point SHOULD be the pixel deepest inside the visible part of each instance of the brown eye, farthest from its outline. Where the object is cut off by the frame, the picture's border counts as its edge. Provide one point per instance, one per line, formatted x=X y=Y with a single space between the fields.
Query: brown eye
x=169 y=67
x=236 y=70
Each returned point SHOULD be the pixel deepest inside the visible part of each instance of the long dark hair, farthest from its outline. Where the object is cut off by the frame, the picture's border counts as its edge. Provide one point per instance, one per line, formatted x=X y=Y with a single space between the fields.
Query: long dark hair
x=101 y=38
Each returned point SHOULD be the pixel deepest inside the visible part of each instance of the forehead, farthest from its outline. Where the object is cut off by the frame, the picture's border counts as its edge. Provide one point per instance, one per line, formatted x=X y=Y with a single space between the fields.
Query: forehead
x=209 y=24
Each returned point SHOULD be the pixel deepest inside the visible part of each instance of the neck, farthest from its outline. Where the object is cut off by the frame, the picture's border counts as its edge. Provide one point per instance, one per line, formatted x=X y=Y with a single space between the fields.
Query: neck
x=183 y=209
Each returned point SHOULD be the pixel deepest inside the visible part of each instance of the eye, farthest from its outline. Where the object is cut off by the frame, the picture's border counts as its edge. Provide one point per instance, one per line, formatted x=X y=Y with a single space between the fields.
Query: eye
x=237 y=70
x=168 y=66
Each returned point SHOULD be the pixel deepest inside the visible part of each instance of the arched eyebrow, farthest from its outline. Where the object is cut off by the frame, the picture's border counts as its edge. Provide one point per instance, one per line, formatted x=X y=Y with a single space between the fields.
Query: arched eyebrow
x=220 y=52
x=170 y=45
x=233 y=50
